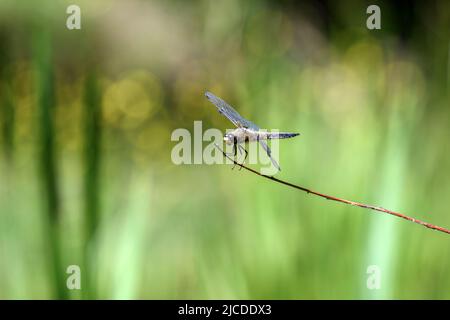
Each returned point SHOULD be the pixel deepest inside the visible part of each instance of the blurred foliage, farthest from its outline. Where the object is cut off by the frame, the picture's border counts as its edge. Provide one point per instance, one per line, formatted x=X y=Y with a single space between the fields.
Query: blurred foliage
x=87 y=179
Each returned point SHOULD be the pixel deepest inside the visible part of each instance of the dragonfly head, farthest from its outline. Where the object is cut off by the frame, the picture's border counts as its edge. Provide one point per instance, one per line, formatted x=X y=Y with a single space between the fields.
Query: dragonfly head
x=228 y=138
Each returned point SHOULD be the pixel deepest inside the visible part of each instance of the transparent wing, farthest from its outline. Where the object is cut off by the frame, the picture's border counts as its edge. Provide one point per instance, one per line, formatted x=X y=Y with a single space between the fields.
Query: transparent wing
x=269 y=153
x=229 y=112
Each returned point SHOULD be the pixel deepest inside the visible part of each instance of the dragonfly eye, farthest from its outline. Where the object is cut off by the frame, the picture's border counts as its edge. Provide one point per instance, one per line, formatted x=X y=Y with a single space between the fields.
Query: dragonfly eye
x=227 y=138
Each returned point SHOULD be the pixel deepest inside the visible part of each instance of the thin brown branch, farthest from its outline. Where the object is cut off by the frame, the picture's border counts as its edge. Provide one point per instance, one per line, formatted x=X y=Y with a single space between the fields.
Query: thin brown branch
x=328 y=197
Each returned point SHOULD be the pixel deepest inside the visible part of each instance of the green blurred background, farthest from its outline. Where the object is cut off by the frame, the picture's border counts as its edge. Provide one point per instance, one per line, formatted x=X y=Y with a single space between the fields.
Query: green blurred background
x=86 y=176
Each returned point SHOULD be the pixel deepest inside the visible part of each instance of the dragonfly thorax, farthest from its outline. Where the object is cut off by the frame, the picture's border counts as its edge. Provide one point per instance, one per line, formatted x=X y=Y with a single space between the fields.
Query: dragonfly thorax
x=241 y=135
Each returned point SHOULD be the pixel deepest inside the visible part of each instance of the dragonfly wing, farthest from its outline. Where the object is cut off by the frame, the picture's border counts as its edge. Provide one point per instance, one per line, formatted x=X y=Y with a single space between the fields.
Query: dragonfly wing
x=229 y=112
x=250 y=125
x=269 y=153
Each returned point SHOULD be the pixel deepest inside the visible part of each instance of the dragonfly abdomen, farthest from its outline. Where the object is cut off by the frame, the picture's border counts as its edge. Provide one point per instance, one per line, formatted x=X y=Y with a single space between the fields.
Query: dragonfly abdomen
x=281 y=135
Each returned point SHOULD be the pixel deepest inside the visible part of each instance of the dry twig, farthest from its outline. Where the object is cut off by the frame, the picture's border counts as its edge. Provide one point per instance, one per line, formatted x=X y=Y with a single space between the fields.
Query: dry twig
x=353 y=203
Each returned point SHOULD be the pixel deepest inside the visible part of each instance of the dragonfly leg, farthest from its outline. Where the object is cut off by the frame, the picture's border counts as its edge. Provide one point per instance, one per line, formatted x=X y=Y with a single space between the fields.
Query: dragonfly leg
x=234 y=152
x=246 y=154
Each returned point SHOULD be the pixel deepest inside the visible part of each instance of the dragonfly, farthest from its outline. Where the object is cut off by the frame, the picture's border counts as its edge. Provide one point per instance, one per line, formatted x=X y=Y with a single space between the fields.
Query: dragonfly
x=246 y=130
